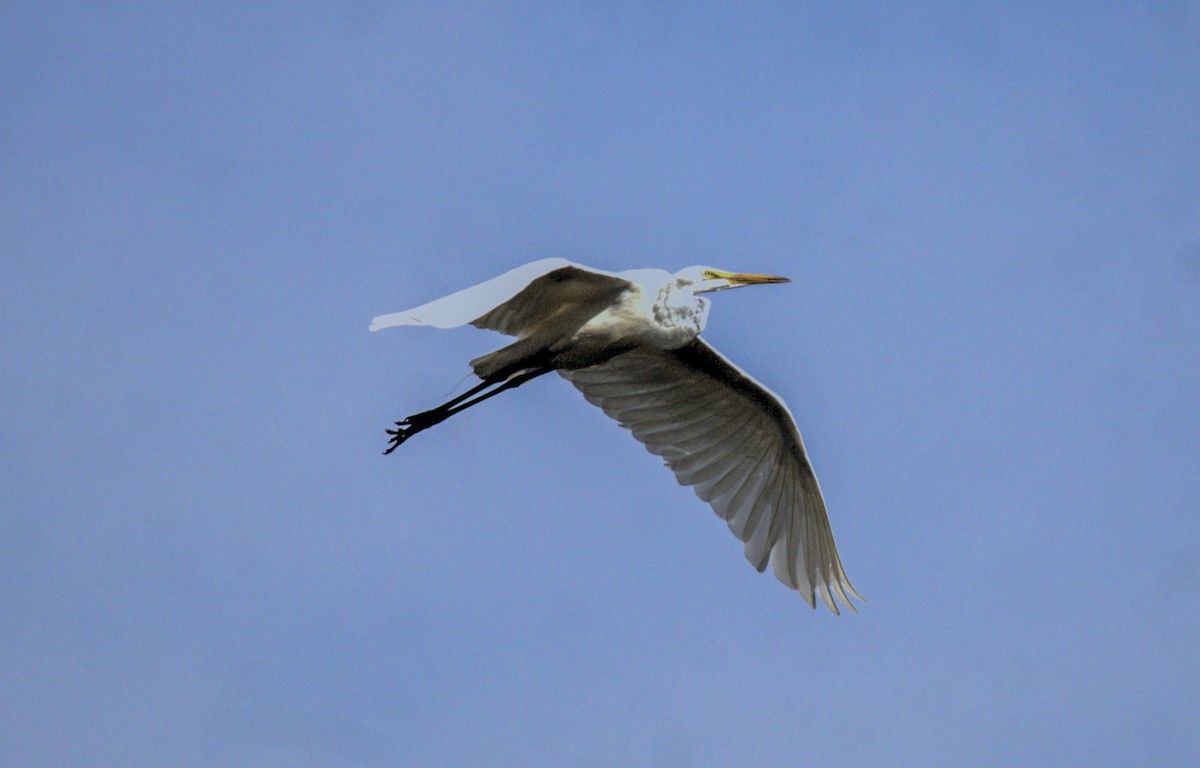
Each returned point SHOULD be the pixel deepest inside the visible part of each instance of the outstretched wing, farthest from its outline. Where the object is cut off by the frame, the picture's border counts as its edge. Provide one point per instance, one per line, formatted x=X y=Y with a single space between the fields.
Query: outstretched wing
x=563 y=298
x=519 y=301
x=471 y=303
x=736 y=444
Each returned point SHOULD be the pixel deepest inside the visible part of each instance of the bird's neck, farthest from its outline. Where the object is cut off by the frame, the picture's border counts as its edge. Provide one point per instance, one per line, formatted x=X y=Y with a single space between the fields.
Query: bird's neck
x=679 y=313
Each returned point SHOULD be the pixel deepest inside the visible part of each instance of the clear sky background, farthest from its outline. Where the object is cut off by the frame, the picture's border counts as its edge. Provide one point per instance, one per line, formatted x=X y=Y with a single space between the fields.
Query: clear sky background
x=991 y=215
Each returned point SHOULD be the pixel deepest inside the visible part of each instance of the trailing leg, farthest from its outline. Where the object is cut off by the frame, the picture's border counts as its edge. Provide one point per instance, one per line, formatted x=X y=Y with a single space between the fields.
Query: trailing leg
x=419 y=422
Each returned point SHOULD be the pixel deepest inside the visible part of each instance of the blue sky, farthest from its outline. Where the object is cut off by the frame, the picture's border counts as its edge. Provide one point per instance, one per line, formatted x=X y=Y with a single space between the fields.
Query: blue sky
x=992 y=219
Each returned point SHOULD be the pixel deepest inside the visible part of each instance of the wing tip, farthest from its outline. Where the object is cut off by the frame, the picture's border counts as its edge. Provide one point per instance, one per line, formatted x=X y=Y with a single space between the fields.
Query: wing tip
x=379 y=322
x=834 y=592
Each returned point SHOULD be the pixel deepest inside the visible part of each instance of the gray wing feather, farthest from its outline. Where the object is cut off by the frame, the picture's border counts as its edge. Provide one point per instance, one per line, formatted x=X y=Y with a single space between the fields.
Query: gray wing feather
x=461 y=307
x=567 y=296
x=736 y=444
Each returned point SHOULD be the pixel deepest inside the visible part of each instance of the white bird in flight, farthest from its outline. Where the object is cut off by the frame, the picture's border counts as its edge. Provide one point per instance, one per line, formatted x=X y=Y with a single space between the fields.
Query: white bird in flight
x=630 y=342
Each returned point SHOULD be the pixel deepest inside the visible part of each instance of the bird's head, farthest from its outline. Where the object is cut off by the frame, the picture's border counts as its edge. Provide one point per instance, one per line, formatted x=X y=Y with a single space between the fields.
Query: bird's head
x=709 y=279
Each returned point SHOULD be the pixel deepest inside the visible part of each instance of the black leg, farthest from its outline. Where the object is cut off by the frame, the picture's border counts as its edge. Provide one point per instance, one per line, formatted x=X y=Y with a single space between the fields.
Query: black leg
x=419 y=422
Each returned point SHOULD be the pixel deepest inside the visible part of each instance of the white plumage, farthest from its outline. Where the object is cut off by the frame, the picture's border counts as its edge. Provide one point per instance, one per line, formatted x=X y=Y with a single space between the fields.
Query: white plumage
x=630 y=343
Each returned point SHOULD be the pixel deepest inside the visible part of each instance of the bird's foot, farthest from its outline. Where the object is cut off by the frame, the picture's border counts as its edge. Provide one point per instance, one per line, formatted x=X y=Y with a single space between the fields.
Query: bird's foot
x=411 y=426
x=398 y=435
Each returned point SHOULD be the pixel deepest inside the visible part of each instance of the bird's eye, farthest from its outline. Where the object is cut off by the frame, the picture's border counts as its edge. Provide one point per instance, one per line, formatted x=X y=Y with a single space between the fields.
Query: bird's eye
x=710 y=275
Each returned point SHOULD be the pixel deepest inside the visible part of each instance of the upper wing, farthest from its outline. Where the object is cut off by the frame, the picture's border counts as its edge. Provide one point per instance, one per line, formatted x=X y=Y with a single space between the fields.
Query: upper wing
x=471 y=303
x=736 y=444
x=558 y=301
x=551 y=294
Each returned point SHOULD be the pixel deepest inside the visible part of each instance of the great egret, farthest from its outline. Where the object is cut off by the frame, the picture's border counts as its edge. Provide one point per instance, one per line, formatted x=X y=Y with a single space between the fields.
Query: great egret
x=630 y=343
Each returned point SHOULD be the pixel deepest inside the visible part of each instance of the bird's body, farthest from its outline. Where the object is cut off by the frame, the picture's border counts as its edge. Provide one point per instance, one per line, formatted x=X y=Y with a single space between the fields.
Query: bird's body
x=584 y=315
x=630 y=342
